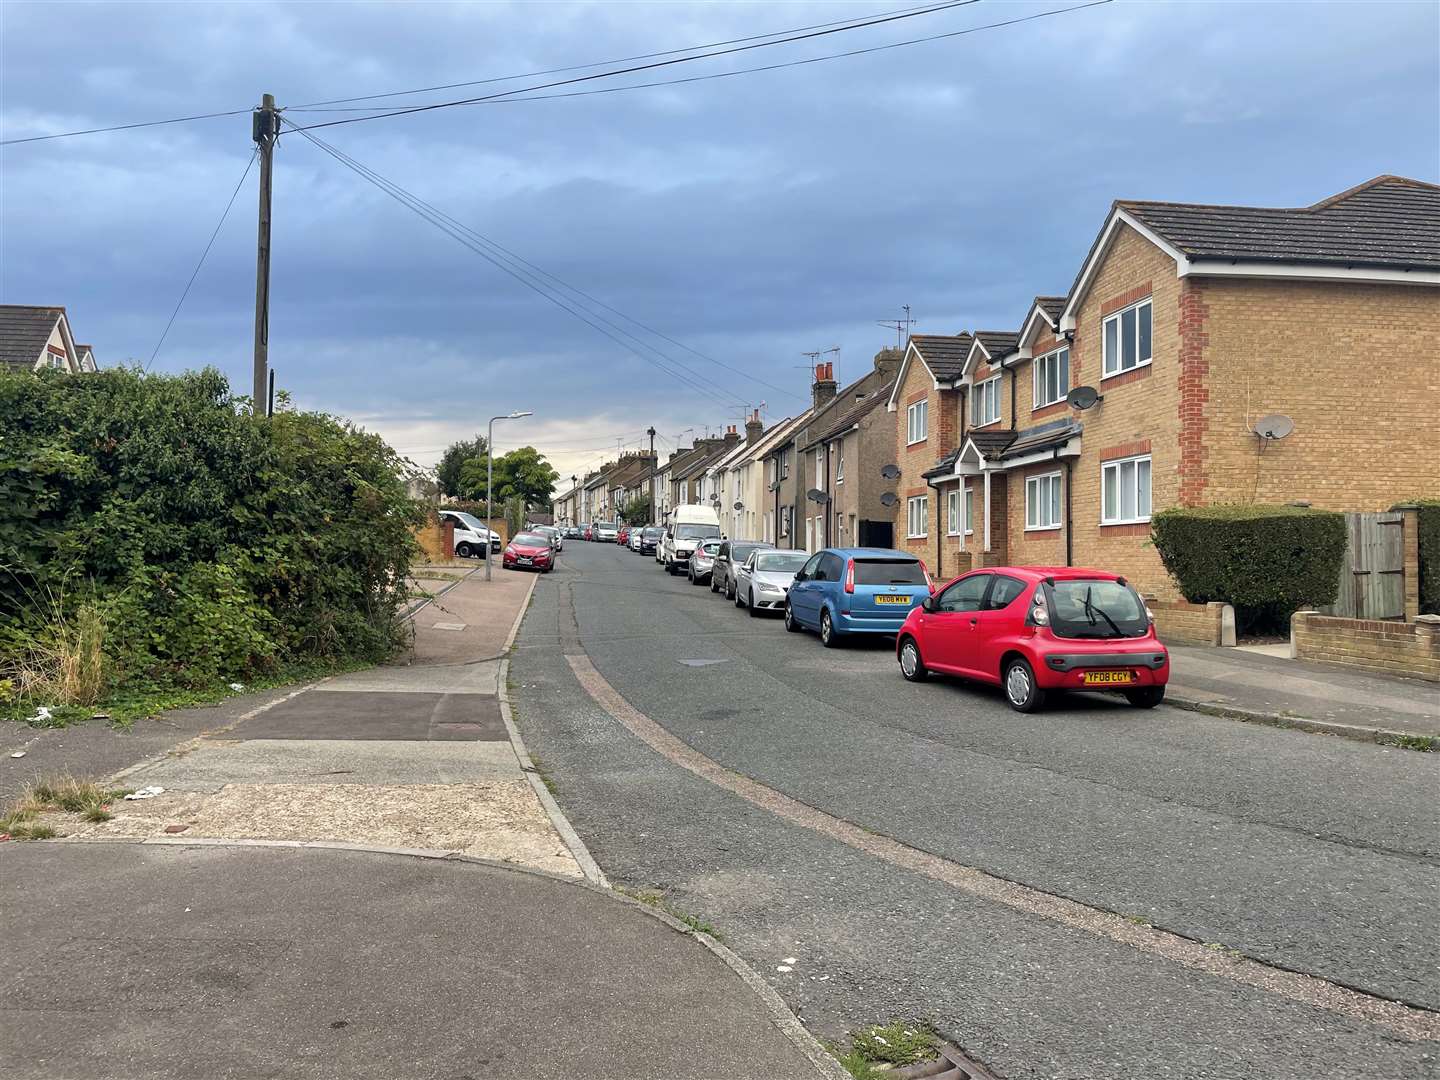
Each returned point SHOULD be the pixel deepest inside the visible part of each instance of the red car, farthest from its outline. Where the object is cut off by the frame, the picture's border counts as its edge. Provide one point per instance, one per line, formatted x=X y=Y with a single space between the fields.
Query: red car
x=1036 y=629
x=589 y=532
x=623 y=536
x=530 y=551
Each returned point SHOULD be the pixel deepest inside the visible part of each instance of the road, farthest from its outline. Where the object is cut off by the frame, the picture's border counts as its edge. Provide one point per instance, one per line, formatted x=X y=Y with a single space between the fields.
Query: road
x=880 y=849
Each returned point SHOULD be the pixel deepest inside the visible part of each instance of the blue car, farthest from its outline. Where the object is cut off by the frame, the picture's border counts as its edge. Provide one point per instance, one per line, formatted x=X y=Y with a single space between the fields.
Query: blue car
x=844 y=591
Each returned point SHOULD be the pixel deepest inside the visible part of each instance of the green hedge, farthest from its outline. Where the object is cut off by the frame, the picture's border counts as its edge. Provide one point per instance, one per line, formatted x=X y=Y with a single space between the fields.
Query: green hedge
x=215 y=545
x=1429 y=556
x=1267 y=561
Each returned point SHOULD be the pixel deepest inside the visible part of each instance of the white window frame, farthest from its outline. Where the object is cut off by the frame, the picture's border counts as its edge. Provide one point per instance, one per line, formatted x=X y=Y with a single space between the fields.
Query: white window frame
x=1043 y=510
x=987 y=392
x=917 y=422
x=969 y=510
x=1110 y=473
x=953 y=510
x=819 y=468
x=839 y=463
x=1112 y=365
x=920 y=504
x=1040 y=380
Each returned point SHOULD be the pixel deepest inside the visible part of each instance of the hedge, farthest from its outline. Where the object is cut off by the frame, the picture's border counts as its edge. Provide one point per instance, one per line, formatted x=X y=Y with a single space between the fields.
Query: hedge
x=1429 y=518
x=1266 y=561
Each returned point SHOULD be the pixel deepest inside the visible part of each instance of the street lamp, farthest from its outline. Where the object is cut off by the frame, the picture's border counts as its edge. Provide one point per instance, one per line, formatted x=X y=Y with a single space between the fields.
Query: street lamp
x=490 y=476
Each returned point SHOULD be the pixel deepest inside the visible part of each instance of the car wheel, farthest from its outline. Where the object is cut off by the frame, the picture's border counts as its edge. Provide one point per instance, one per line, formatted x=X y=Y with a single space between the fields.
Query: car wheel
x=1146 y=697
x=463 y=551
x=714 y=583
x=730 y=588
x=790 y=623
x=739 y=600
x=911 y=666
x=828 y=637
x=750 y=603
x=1021 y=691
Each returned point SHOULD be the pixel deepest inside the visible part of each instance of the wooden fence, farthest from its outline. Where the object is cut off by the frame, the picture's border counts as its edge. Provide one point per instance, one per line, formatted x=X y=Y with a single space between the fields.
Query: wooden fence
x=1372 y=574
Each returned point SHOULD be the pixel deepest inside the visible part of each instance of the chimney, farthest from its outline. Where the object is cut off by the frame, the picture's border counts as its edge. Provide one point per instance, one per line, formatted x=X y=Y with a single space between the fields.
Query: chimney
x=823 y=390
x=731 y=436
x=754 y=428
x=887 y=363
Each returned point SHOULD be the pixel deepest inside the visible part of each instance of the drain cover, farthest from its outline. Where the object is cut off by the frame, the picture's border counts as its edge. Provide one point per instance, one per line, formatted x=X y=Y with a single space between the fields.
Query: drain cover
x=952 y=1064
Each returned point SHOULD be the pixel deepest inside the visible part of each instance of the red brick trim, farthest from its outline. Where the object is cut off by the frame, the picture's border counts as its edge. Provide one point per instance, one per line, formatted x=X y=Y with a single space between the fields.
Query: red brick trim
x=910 y=493
x=1125 y=299
x=982 y=371
x=919 y=395
x=1140 y=529
x=1135 y=374
x=1124 y=450
x=1049 y=410
x=54 y=349
x=1194 y=392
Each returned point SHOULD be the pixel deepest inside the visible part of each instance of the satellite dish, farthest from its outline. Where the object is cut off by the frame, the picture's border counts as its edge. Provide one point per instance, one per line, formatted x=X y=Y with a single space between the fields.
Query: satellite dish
x=738 y=505
x=816 y=495
x=775 y=485
x=891 y=472
x=1083 y=397
x=889 y=498
x=1274 y=426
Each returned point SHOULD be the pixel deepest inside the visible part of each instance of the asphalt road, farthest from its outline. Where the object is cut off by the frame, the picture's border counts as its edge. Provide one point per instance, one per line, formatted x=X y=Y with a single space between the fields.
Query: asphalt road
x=1309 y=854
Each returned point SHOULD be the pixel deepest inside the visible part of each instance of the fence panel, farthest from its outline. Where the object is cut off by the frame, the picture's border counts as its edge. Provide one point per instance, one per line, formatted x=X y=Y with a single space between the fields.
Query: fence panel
x=1372 y=575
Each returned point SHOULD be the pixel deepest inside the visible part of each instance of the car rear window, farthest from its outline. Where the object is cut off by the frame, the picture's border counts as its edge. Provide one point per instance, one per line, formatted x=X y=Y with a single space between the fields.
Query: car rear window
x=740 y=552
x=652 y=534
x=888 y=572
x=710 y=547
x=780 y=561
x=1095 y=609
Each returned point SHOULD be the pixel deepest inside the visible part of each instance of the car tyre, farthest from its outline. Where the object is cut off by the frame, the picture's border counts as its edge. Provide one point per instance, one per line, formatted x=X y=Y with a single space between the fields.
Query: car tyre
x=1146 y=697
x=714 y=583
x=750 y=604
x=739 y=600
x=828 y=636
x=463 y=550
x=1022 y=693
x=790 y=622
x=911 y=665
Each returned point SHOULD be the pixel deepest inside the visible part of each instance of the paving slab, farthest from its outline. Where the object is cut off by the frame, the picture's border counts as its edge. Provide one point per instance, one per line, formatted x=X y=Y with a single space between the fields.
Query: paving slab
x=262 y=961
x=458 y=678
x=330 y=761
x=330 y=714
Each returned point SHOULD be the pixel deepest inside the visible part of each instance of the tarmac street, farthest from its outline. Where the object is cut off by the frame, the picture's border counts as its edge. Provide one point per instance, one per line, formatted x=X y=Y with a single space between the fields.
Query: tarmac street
x=814 y=806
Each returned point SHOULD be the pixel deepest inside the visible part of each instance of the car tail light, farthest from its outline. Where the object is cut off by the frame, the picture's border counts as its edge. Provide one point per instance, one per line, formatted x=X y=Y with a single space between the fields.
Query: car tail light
x=929 y=581
x=850 y=576
x=1150 y=615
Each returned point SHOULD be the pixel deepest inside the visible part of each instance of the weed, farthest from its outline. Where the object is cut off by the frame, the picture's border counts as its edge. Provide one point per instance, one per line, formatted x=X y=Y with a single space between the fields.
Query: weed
x=544 y=775
x=1136 y=919
x=33 y=830
x=656 y=899
x=900 y=1042
x=1425 y=744
x=97 y=814
x=65 y=666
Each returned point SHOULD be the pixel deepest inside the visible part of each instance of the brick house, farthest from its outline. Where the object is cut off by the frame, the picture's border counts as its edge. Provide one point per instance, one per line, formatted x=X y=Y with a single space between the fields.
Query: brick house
x=39 y=338
x=1191 y=323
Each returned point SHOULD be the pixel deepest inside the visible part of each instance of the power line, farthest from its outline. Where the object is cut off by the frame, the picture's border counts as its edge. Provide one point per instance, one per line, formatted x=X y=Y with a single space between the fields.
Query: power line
x=457 y=232
x=196 y=273
x=123 y=127
x=876 y=21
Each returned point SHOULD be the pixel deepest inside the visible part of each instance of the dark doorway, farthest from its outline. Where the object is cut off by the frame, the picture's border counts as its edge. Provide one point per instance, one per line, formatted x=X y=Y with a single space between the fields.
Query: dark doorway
x=877 y=534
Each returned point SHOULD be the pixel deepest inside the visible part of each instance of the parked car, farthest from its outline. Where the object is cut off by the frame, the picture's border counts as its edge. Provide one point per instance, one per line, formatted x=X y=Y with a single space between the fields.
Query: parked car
x=689 y=524
x=556 y=536
x=530 y=551
x=574 y=532
x=650 y=539
x=606 y=531
x=702 y=561
x=727 y=561
x=1033 y=630
x=622 y=536
x=471 y=535
x=588 y=531
x=844 y=591
x=635 y=533
x=763 y=580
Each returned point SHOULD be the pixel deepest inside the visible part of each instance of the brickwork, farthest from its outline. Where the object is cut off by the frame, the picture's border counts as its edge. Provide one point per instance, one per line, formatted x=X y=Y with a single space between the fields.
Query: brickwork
x=1391 y=648
x=1182 y=623
x=1194 y=393
x=915 y=459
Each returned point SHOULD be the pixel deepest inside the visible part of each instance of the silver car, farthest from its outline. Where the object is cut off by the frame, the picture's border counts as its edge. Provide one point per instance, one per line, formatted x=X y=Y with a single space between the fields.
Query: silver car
x=763 y=580
x=702 y=561
x=605 y=532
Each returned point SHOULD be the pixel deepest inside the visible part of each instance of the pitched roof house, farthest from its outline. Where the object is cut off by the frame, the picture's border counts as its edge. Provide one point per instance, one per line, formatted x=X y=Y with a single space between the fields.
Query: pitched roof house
x=37 y=338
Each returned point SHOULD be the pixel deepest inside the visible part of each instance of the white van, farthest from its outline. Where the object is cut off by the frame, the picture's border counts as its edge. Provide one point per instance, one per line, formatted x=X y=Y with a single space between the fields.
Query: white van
x=688 y=525
x=470 y=534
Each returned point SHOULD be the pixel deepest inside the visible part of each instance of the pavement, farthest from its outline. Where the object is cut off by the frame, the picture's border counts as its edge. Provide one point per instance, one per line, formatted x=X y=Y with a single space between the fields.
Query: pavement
x=1265 y=685
x=365 y=876
x=883 y=850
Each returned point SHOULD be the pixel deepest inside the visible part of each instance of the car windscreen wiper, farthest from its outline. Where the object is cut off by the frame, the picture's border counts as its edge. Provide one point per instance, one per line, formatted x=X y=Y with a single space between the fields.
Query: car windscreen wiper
x=1091 y=610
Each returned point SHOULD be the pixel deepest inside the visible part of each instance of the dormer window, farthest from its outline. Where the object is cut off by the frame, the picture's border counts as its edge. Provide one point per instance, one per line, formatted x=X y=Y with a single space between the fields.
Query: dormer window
x=985 y=402
x=1052 y=377
x=1127 y=336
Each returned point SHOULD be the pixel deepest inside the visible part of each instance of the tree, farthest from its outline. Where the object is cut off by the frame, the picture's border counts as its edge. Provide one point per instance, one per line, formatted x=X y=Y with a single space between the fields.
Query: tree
x=523 y=473
x=457 y=454
x=637 y=511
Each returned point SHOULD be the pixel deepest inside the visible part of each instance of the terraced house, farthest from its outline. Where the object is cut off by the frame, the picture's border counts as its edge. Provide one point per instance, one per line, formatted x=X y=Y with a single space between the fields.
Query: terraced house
x=1186 y=325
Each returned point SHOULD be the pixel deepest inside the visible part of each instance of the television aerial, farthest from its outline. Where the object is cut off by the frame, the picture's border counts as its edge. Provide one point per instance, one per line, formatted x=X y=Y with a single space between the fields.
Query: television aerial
x=1273 y=427
x=1083 y=397
x=889 y=498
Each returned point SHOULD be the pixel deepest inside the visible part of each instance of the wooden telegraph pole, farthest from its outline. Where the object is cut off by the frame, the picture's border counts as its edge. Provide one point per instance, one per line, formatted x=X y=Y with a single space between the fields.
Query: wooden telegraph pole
x=265 y=127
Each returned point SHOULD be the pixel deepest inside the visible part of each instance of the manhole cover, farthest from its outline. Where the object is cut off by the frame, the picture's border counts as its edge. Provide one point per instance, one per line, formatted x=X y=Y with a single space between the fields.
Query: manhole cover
x=703 y=663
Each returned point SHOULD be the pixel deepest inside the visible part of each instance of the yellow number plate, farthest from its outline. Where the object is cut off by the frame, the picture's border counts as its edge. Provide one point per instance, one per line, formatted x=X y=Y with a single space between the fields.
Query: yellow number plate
x=1107 y=678
x=883 y=599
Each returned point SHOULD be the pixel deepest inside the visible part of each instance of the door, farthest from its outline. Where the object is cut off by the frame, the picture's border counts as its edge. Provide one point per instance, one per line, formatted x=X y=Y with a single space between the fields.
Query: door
x=950 y=628
x=998 y=623
x=804 y=601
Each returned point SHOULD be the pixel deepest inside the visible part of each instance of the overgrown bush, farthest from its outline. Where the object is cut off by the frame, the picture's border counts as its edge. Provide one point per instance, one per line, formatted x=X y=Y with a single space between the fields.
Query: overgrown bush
x=212 y=544
x=1429 y=556
x=1267 y=561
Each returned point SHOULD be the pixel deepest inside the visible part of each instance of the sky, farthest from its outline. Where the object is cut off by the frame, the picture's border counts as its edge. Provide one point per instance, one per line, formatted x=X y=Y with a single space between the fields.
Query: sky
x=751 y=219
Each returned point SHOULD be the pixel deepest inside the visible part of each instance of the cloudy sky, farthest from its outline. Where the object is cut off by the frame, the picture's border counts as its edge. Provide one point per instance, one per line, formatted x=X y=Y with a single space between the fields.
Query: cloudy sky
x=752 y=218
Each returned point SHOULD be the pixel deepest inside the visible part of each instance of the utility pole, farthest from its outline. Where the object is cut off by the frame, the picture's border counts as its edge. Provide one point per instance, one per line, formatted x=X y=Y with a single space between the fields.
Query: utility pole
x=264 y=128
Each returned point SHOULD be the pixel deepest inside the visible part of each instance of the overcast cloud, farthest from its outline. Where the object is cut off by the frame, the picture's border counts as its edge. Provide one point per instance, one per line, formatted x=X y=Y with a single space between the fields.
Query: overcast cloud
x=753 y=218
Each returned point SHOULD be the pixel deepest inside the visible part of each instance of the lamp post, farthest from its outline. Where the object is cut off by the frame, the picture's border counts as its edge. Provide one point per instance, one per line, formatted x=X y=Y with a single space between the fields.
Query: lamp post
x=490 y=477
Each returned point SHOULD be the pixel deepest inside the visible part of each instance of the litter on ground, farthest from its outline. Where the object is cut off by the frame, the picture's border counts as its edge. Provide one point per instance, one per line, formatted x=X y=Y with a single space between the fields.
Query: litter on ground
x=18 y=753
x=145 y=793
x=42 y=714
x=237 y=687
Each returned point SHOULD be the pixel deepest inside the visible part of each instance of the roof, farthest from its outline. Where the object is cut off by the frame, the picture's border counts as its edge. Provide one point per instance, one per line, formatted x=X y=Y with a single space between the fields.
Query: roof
x=1052 y=306
x=700 y=456
x=629 y=471
x=990 y=441
x=1390 y=221
x=1054 y=433
x=24 y=330
x=853 y=412
x=944 y=354
x=777 y=435
x=997 y=343
x=944 y=467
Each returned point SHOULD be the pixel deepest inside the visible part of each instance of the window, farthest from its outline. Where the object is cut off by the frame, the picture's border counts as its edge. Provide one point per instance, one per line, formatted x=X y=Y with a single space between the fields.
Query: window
x=1004 y=592
x=965 y=595
x=1042 y=501
x=918 y=509
x=917 y=419
x=811 y=567
x=839 y=463
x=1052 y=377
x=784 y=463
x=969 y=511
x=1127 y=339
x=1125 y=491
x=952 y=513
x=889 y=572
x=985 y=402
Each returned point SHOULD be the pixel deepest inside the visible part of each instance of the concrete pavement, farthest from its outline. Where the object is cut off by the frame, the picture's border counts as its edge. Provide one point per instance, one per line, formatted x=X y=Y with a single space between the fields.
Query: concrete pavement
x=240 y=962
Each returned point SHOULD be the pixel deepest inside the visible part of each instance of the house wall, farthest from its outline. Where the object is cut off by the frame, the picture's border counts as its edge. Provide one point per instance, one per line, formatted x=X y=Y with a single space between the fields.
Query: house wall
x=914 y=459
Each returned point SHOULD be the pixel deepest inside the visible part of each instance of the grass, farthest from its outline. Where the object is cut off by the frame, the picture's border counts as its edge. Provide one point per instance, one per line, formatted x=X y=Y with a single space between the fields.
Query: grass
x=656 y=899
x=873 y=1051
x=1425 y=744
x=60 y=793
x=544 y=775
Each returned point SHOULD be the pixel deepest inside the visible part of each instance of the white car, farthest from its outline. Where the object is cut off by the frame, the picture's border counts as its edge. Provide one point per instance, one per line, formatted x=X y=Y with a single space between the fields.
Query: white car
x=689 y=525
x=763 y=580
x=470 y=534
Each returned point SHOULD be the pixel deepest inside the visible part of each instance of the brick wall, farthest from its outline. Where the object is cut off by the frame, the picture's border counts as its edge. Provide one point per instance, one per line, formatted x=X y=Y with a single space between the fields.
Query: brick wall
x=915 y=459
x=1392 y=648
x=1183 y=623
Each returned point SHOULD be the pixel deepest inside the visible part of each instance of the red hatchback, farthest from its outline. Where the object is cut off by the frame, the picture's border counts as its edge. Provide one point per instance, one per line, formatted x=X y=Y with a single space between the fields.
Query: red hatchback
x=623 y=536
x=1034 y=629
x=530 y=551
